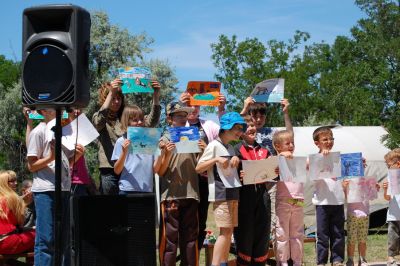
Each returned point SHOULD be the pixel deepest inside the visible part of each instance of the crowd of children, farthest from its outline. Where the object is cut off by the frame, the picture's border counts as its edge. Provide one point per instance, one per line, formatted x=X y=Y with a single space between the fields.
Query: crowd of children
x=253 y=215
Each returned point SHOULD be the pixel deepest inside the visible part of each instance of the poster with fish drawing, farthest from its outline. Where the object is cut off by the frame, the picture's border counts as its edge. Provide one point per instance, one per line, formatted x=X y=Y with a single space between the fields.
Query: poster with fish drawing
x=269 y=91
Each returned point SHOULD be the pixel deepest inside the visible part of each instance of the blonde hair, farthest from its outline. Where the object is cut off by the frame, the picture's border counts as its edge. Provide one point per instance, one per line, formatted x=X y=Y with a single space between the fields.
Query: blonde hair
x=393 y=155
x=130 y=112
x=11 y=199
x=281 y=136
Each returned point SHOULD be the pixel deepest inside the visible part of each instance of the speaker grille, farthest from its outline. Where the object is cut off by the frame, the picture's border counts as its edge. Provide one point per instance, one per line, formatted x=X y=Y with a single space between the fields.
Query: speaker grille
x=47 y=74
x=115 y=230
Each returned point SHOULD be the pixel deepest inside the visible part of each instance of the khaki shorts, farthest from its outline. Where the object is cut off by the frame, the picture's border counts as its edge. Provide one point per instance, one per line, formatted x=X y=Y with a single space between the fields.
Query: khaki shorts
x=226 y=213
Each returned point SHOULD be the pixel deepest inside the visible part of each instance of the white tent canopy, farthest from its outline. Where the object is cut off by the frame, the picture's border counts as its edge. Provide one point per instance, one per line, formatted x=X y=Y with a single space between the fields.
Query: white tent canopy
x=364 y=139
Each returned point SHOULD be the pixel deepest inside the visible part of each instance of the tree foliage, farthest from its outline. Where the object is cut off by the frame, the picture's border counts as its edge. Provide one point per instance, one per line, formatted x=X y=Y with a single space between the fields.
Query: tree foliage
x=354 y=81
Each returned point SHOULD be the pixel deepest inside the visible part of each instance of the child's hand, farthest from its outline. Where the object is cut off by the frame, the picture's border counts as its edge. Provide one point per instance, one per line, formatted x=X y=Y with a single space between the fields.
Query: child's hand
x=224 y=162
x=156 y=86
x=26 y=111
x=116 y=86
x=377 y=186
x=125 y=145
x=185 y=98
x=277 y=170
x=202 y=144
x=241 y=175
x=364 y=161
x=325 y=152
x=385 y=185
x=170 y=146
x=222 y=102
x=285 y=105
x=287 y=154
x=345 y=184
x=80 y=149
x=248 y=101
x=235 y=161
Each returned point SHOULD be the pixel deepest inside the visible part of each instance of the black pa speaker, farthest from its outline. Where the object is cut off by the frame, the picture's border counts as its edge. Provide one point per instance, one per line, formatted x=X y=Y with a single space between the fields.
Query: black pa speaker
x=114 y=230
x=55 y=56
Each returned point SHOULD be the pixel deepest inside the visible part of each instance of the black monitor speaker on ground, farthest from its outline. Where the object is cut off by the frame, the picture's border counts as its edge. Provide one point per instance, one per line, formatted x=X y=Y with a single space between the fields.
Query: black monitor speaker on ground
x=114 y=230
x=55 y=56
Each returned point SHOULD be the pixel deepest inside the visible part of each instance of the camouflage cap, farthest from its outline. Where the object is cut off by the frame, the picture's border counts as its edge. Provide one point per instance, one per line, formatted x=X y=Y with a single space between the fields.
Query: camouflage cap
x=175 y=107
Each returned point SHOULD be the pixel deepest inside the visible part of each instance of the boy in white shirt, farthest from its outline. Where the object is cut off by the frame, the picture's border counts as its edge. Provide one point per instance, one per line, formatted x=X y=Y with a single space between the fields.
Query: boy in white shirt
x=329 y=200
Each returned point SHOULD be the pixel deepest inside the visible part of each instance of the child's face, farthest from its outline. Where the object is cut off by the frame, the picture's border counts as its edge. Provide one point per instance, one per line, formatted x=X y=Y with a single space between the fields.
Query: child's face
x=234 y=133
x=393 y=164
x=251 y=132
x=193 y=116
x=286 y=144
x=258 y=119
x=116 y=103
x=135 y=122
x=178 y=119
x=325 y=141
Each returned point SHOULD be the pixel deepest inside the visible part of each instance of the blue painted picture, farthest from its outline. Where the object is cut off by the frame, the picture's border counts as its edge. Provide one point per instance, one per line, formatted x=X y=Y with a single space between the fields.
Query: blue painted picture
x=352 y=164
x=269 y=91
x=36 y=116
x=135 y=79
x=186 y=139
x=144 y=140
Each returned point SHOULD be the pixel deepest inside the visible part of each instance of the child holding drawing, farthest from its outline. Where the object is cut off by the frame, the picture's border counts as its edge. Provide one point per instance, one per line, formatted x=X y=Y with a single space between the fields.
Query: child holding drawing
x=220 y=162
x=357 y=225
x=254 y=216
x=135 y=170
x=329 y=200
x=179 y=189
x=289 y=208
x=392 y=159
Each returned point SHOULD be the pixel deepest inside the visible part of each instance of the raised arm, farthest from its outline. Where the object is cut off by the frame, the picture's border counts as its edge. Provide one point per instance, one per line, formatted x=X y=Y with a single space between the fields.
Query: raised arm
x=285 y=109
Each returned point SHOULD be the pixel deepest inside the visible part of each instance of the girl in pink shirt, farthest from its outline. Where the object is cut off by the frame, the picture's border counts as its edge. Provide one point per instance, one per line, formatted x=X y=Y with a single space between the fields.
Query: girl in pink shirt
x=289 y=231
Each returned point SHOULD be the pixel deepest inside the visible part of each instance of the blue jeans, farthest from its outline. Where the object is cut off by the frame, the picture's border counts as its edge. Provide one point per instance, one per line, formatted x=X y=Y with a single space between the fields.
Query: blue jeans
x=44 y=240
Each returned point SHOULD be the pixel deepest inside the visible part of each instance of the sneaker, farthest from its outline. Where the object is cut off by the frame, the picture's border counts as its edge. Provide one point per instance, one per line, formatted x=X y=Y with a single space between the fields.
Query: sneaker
x=337 y=263
x=391 y=263
x=350 y=262
x=362 y=263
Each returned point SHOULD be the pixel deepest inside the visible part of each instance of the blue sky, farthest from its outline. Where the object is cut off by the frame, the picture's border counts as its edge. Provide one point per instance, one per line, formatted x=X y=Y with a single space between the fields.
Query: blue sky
x=184 y=30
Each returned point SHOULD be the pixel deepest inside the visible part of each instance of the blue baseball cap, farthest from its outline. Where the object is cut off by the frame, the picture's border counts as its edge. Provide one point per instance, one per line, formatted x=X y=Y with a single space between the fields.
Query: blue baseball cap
x=228 y=120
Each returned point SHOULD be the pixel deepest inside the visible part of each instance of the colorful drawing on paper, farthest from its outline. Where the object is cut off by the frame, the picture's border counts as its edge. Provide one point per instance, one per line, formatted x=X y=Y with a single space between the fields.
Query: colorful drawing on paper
x=259 y=171
x=394 y=181
x=269 y=91
x=204 y=92
x=325 y=166
x=293 y=170
x=362 y=189
x=135 y=80
x=34 y=115
x=144 y=140
x=186 y=139
x=352 y=164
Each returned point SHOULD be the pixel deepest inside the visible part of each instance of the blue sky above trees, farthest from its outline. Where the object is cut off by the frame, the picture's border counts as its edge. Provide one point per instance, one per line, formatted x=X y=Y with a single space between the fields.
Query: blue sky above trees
x=184 y=30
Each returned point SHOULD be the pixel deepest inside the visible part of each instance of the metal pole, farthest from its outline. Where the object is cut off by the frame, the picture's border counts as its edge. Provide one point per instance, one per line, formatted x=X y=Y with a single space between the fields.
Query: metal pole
x=57 y=195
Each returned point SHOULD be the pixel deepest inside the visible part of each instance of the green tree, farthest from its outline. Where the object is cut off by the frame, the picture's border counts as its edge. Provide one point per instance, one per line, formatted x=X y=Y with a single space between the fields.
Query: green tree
x=354 y=81
x=9 y=74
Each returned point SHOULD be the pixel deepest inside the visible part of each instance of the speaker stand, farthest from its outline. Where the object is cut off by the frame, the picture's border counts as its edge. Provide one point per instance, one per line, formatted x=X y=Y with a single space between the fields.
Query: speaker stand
x=57 y=193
